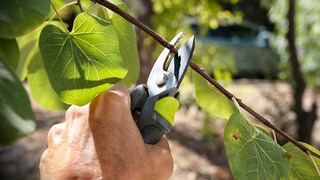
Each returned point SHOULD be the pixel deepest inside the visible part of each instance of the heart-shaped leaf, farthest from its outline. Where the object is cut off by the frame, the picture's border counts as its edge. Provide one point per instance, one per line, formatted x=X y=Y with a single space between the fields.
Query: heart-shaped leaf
x=252 y=154
x=212 y=100
x=302 y=165
x=83 y=63
x=21 y=16
x=16 y=115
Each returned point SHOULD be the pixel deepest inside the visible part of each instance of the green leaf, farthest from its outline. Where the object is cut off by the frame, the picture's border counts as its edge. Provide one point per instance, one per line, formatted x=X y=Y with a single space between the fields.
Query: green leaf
x=83 y=63
x=40 y=86
x=302 y=165
x=31 y=62
x=16 y=115
x=211 y=99
x=127 y=41
x=27 y=44
x=252 y=154
x=9 y=51
x=21 y=16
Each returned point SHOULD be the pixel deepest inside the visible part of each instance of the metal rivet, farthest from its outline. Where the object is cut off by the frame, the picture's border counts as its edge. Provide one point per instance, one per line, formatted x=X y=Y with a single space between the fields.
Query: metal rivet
x=162 y=80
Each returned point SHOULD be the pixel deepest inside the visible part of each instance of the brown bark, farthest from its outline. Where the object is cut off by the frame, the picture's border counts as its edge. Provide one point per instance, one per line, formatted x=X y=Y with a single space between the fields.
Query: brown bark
x=304 y=119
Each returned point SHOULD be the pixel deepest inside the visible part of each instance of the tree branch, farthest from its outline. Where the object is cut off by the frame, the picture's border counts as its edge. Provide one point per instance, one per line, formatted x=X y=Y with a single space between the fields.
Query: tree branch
x=200 y=71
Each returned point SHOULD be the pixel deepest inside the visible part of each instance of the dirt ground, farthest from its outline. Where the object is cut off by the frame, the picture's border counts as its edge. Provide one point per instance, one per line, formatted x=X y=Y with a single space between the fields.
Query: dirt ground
x=195 y=156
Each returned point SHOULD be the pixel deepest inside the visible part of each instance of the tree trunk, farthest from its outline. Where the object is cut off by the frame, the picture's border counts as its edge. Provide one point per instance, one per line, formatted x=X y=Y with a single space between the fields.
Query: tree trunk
x=304 y=119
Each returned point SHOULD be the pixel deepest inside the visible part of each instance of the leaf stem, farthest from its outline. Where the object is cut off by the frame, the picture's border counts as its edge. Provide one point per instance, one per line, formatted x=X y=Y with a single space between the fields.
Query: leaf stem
x=57 y=13
x=200 y=71
x=63 y=7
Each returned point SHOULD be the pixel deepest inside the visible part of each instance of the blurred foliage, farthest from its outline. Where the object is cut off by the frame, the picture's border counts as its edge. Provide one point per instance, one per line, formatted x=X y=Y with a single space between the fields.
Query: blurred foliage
x=16 y=115
x=176 y=15
x=307 y=36
x=218 y=61
x=173 y=16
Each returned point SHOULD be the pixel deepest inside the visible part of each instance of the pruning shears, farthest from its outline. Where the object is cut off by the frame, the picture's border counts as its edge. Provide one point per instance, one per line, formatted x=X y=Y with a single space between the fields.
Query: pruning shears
x=154 y=105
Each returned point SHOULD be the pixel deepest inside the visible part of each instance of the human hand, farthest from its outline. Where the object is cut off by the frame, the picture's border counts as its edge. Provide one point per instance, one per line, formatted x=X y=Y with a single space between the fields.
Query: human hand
x=101 y=141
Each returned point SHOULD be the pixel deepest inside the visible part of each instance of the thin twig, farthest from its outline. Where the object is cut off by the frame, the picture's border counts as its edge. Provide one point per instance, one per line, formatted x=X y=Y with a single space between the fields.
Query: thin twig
x=200 y=71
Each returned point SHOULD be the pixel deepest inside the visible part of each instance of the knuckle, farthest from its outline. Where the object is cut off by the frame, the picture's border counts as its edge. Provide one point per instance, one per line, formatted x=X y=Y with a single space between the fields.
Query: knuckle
x=75 y=112
x=54 y=134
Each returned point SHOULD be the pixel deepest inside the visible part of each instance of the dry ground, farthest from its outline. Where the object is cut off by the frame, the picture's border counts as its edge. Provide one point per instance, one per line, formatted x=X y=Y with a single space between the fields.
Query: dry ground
x=195 y=157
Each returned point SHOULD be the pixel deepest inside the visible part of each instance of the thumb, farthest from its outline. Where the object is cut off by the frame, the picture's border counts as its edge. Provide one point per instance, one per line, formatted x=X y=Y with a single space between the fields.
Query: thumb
x=114 y=131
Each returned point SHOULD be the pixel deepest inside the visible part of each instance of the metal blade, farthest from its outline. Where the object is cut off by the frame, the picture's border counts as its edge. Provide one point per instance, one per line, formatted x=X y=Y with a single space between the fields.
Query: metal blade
x=160 y=79
x=182 y=60
x=158 y=71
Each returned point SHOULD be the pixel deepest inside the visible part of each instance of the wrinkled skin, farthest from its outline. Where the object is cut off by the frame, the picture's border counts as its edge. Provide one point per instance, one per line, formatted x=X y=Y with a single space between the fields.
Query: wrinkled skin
x=101 y=141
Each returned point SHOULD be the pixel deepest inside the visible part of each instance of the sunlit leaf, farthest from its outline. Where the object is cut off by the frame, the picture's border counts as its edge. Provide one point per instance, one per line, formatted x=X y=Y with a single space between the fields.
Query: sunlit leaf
x=252 y=154
x=212 y=100
x=302 y=165
x=16 y=115
x=21 y=16
x=127 y=41
x=83 y=63
x=9 y=52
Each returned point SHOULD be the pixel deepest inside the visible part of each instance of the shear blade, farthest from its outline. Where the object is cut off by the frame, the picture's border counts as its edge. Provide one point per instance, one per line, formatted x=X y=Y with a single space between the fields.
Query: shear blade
x=182 y=60
x=160 y=79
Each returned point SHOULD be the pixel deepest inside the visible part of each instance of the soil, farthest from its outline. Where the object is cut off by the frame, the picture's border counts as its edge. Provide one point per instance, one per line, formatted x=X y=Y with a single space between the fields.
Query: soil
x=197 y=155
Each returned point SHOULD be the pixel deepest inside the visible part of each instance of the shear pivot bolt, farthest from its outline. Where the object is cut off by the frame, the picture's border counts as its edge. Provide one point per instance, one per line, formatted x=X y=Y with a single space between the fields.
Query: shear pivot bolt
x=162 y=80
